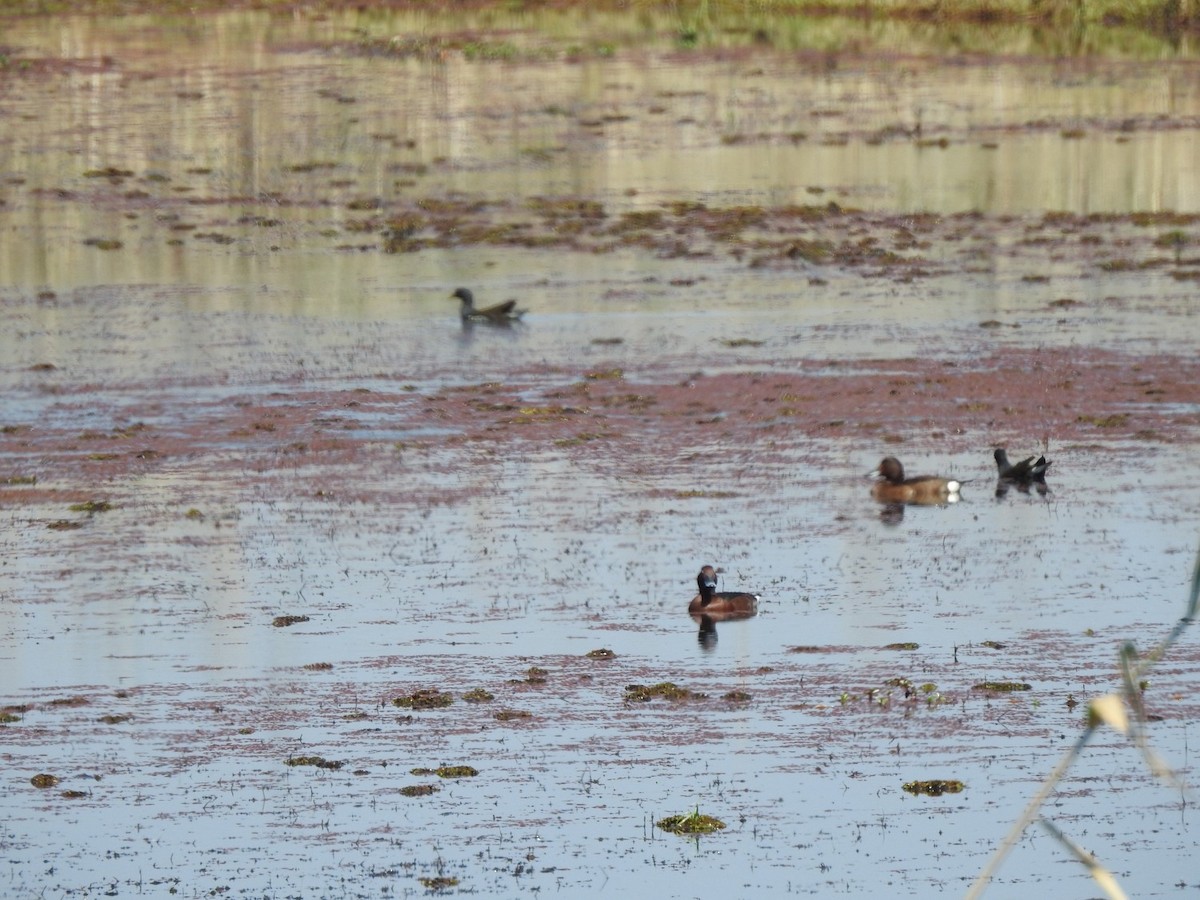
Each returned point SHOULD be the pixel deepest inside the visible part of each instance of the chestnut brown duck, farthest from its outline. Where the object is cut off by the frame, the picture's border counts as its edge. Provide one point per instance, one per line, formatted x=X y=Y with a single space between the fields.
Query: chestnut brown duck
x=720 y=605
x=893 y=487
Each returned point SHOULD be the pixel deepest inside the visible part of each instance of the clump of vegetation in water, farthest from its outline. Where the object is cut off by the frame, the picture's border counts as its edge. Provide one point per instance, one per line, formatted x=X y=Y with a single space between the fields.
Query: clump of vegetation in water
x=1002 y=687
x=736 y=697
x=91 y=506
x=536 y=675
x=643 y=693
x=903 y=645
x=601 y=653
x=44 y=780
x=426 y=698
x=419 y=790
x=934 y=788
x=694 y=822
x=120 y=719
x=479 y=695
x=287 y=621
x=509 y=715
x=447 y=772
x=319 y=761
x=318 y=666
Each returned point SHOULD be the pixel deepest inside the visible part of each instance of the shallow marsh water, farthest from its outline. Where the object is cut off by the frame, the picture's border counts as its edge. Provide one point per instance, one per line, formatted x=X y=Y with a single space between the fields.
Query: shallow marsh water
x=292 y=422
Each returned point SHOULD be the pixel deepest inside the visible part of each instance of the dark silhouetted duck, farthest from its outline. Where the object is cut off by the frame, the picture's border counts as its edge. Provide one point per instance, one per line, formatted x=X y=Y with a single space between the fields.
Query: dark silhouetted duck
x=1028 y=469
x=720 y=605
x=501 y=313
x=893 y=487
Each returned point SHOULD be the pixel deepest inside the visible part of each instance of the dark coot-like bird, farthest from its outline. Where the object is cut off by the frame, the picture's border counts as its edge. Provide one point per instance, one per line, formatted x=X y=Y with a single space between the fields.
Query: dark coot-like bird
x=500 y=313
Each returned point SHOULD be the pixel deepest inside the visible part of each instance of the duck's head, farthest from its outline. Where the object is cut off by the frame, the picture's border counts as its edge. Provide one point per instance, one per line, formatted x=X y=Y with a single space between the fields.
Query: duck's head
x=890 y=470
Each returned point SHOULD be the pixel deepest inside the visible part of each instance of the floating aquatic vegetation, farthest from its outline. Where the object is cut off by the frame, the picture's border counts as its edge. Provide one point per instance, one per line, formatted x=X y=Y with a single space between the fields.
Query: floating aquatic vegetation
x=425 y=698
x=318 y=666
x=694 y=822
x=64 y=524
x=902 y=645
x=642 y=693
x=91 y=506
x=73 y=795
x=736 y=696
x=70 y=701
x=600 y=653
x=934 y=788
x=286 y=621
x=104 y=243
x=7 y=718
x=509 y=715
x=419 y=790
x=479 y=695
x=447 y=772
x=119 y=719
x=1002 y=687
x=44 y=780
x=319 y=761
x=536 y=675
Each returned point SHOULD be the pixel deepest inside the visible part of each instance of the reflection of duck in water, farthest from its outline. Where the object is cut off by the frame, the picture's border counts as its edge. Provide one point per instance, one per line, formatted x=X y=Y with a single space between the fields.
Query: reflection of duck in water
x=711 y=606
x=925 y=490
x=1028 y=472
x=498 y=314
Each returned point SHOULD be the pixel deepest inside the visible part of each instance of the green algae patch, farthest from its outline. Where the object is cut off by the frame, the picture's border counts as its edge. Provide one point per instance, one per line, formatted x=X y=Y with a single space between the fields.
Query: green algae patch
x=91 y=506
x=668 y=690
x=903 y=645
x=694 y=822
x=1002 y=687
x=426 y=698
x=319 y=761
x=935 y=787
x=447 y=772
x=7 y=718
x=600 y=653
x=479 y=695
x=419 y=790
x=288 y=621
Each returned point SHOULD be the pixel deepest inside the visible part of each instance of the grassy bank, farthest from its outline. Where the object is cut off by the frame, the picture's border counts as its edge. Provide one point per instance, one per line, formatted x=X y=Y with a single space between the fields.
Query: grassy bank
x=1161 y=17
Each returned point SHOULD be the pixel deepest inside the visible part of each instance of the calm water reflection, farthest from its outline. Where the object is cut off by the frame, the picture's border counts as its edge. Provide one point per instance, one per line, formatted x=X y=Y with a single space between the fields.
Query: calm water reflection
x=253 y=107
